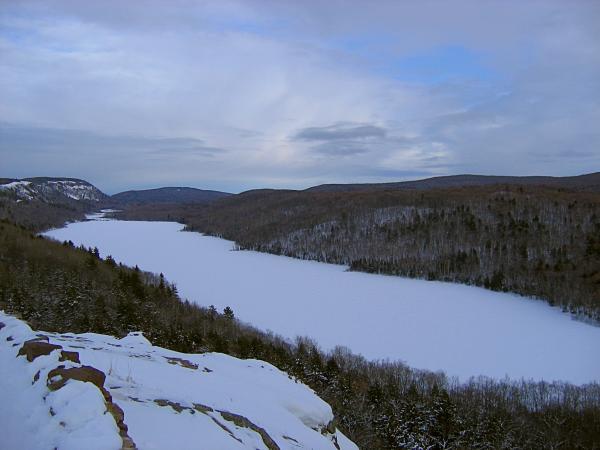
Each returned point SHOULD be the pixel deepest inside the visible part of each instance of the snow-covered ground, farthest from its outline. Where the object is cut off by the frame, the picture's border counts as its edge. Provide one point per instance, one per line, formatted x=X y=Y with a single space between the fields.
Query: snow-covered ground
x=463 y=330
x=168 y=400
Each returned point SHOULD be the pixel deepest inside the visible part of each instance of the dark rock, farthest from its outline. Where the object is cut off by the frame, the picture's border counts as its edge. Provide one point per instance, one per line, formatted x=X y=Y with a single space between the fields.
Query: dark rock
x=92 y=375
x=202 y=408
x=176 y=406
x=244 y=422
x=182 y=362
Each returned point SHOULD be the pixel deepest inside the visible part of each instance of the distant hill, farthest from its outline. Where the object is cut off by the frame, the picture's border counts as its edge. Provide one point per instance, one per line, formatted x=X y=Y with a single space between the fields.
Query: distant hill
x=589 y=183
x=51 y=190
x=166 y=195
x=43 y=202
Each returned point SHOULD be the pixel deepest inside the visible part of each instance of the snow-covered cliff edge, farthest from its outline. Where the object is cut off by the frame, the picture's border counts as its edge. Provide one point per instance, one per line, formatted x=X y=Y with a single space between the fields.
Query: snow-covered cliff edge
x=92 y=391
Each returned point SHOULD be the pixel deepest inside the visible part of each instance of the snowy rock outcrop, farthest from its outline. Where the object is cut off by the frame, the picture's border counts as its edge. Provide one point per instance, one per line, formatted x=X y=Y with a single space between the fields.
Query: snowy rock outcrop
x=52 y=190
x=92 y=391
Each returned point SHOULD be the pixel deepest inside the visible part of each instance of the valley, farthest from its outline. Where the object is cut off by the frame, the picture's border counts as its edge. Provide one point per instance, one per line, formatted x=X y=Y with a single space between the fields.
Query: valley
x=462 y=330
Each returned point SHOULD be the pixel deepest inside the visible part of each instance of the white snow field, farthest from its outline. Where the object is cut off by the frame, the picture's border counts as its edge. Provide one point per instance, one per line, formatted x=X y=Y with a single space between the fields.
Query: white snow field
x=169 y=400
x=463 y=330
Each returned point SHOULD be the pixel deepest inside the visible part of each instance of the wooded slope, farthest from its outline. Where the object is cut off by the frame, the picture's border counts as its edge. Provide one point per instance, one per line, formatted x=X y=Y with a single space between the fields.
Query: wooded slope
x=536 y=241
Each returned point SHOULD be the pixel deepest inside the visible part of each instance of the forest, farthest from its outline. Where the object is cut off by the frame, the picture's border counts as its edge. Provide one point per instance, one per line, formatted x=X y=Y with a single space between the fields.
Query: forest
x=538 y=241
x=379 y=405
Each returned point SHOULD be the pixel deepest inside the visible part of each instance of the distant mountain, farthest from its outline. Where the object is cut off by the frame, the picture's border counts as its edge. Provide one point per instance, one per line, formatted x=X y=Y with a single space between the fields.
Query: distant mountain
x=589 y=182
x=51 y=190
x=44 y=202
x=165 y=195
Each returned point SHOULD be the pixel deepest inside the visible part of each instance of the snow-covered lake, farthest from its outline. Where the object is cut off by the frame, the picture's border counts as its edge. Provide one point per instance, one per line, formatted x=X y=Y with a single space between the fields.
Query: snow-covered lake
x=463 y=330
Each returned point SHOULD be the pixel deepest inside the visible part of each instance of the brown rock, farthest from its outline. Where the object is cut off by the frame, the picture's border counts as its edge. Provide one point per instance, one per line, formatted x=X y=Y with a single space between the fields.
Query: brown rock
x=69 y=356
x=202 y=408
x=84 y=373
x=176 y=406
x=34 y=348
x=97 y=377
x=244 y=422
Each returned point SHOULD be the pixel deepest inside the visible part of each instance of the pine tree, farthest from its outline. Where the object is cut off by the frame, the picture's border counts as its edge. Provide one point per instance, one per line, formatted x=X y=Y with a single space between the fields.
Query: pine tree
x=228 y=313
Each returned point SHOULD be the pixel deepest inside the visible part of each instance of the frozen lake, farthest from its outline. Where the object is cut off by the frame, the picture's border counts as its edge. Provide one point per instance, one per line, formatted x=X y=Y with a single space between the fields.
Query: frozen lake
x=463 y=330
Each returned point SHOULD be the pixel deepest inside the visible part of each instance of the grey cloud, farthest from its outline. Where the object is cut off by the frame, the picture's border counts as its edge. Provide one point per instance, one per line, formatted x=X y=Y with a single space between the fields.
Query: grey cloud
x=339 y=132
x=104 y=159
x=340 y=148
x=38 y=139
x=183 y=146
x=399 y=174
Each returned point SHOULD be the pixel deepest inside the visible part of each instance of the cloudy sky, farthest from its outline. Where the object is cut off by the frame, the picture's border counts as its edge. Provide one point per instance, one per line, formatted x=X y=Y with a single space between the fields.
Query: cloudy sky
x=234 y=95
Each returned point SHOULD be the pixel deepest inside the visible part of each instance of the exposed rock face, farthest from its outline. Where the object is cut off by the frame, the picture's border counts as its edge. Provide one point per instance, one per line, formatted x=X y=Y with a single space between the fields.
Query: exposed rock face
x=59 y=376
x=243 y=422
x=52 y=190
x=236 y=419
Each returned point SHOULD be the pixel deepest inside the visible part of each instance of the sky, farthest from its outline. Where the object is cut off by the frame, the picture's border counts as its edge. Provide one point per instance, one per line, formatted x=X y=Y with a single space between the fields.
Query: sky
x=234 y=95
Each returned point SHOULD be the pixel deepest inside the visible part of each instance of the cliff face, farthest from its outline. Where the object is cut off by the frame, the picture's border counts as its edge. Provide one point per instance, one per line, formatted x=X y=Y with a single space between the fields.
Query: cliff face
x=96 y=391
x=42 y=203
x=52 y=190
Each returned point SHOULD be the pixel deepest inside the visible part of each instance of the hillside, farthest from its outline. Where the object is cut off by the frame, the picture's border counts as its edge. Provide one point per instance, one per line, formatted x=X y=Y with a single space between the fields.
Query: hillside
x=533 y=240
x=45 y=202
x=536 y=236
x=587 y=183
x=95 y=391
x=174 y=195
x=52 y=190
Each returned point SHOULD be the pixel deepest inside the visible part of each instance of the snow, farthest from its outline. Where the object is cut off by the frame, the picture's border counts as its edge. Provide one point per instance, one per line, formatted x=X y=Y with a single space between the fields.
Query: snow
x=73 y=189
x=69 y=188
x=465 y=331
x=144 y=381
x=21 y=188
x=101 y=214
x=15 y=184
x=25 y=419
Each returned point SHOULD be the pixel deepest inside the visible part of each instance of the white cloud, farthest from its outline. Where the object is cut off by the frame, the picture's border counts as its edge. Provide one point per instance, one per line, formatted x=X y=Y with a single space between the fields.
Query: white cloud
x=252 y=78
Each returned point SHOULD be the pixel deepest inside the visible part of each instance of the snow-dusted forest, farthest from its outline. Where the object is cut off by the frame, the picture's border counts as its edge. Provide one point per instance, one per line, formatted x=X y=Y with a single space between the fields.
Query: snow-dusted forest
x=462 y=330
